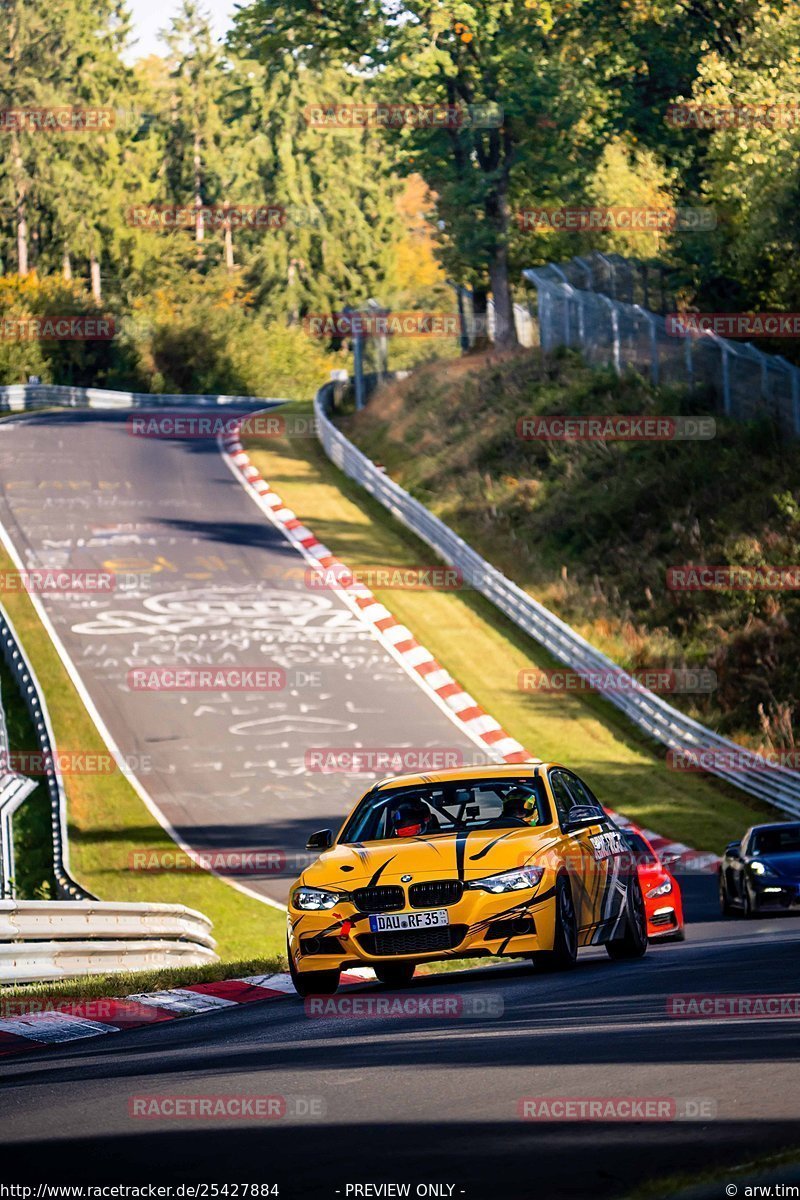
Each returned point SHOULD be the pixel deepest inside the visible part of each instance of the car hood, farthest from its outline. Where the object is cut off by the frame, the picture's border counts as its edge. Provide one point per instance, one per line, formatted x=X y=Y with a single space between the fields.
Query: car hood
x=439 y=856
x=785 y=865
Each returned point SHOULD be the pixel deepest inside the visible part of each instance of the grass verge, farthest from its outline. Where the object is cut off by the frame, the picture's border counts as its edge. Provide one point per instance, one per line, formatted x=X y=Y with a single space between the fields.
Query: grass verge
x=592 y=528
x=128 y=983
x=107 y=820
x=485 y=653
x=705 y=1184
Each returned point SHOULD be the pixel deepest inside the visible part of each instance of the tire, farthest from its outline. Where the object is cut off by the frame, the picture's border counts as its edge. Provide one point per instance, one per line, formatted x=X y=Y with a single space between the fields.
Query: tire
x=313 y=983
x=564 y=954
x=749 y=910
x=633 y=943
x=397 y=975
x=726 y=908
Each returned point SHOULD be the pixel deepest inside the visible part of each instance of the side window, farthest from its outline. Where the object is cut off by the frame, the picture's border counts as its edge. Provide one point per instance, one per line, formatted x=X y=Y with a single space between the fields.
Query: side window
x=580 y=791
x=561 y=794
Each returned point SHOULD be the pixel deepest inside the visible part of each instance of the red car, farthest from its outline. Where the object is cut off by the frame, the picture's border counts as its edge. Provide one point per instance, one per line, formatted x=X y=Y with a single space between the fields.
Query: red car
x=661 y=891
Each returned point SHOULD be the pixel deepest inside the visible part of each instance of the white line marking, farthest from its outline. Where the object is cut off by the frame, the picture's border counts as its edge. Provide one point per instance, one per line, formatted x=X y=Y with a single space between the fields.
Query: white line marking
x=182 y=1000
x=52 y=1027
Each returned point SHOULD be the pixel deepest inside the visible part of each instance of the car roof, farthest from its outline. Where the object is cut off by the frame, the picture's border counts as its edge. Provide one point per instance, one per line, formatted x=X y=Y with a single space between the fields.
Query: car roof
x=771 y=825
x=465 y=774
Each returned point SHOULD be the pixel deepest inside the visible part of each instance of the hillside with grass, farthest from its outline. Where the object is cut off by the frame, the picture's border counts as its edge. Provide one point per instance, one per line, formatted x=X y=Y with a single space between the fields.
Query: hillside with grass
x=592 y=528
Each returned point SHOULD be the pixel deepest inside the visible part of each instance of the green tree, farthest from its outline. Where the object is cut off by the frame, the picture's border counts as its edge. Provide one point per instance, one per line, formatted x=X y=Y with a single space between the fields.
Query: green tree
x=195 y=148
x=752 y=167
x=502 y=67
x=340 y=239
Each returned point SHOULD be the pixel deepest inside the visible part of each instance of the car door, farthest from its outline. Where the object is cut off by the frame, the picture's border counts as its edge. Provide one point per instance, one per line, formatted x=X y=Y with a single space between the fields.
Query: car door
x=735 y=867
x=578 y=854
x=609 y=864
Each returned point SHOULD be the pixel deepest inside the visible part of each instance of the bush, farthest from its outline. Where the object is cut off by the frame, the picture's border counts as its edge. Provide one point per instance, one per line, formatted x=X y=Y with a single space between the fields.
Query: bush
x=69 y=362
x=207 y=340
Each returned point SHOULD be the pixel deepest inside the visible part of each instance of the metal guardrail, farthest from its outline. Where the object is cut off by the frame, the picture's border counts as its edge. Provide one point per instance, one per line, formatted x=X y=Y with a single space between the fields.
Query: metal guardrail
x=46 y=940
x=108 y=920
x=748 y=771
x=13 y=790
x=33 y=698
x=575 y=310
x=23 y=396
x=38 y=962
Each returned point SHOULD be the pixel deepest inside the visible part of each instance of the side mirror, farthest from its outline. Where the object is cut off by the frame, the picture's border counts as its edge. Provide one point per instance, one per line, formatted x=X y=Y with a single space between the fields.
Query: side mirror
x=320 y=840
x=581 y=816
x=734 y=850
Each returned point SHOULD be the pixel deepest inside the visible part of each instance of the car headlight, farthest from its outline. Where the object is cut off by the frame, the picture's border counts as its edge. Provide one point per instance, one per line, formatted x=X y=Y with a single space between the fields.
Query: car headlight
x=509 y=881
x=663 y=889
x=760 y=868
x=310 y=899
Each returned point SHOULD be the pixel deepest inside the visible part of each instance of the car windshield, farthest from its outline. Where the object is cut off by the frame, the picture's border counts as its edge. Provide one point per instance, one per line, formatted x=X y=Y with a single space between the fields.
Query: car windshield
x=642 y=853
x=448 y=808
x=780 y=839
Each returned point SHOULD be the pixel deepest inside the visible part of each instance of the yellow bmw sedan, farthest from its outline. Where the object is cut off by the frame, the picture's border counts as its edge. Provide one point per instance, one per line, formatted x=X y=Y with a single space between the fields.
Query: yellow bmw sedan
x=515 y=860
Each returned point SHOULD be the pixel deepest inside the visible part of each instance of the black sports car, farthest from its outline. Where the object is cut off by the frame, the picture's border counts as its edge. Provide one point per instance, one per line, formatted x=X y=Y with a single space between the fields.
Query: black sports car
x=762 y=872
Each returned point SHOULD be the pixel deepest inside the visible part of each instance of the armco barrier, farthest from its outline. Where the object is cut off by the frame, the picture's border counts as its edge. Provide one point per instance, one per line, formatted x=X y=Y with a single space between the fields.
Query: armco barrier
x=38 y=962
x=46 y=940
x=24 y=396
x=13 y=790
x=33 y=698
x=54 y=920
x=750 y=772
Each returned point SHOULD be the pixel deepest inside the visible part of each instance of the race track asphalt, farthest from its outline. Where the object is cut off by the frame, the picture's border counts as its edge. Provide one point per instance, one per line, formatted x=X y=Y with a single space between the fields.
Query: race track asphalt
x=203 y=579
x=411 y=1099
x=405 y=1099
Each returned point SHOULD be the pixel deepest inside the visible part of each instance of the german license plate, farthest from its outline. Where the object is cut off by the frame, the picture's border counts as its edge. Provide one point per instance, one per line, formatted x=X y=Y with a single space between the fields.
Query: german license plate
x=389 y=922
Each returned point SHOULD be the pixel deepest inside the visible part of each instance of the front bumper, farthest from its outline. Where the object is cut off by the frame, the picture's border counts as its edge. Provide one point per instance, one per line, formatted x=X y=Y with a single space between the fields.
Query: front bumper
x=663 y=922
x=772 y=894
x=513 y=924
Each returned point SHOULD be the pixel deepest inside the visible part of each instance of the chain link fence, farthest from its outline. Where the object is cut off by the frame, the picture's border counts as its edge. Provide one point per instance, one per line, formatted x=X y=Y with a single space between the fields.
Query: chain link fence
x=602 y=305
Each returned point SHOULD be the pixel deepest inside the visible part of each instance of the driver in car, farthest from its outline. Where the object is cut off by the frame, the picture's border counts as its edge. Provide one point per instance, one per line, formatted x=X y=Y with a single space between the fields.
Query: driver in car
x=412 y=818
x=521 y=805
